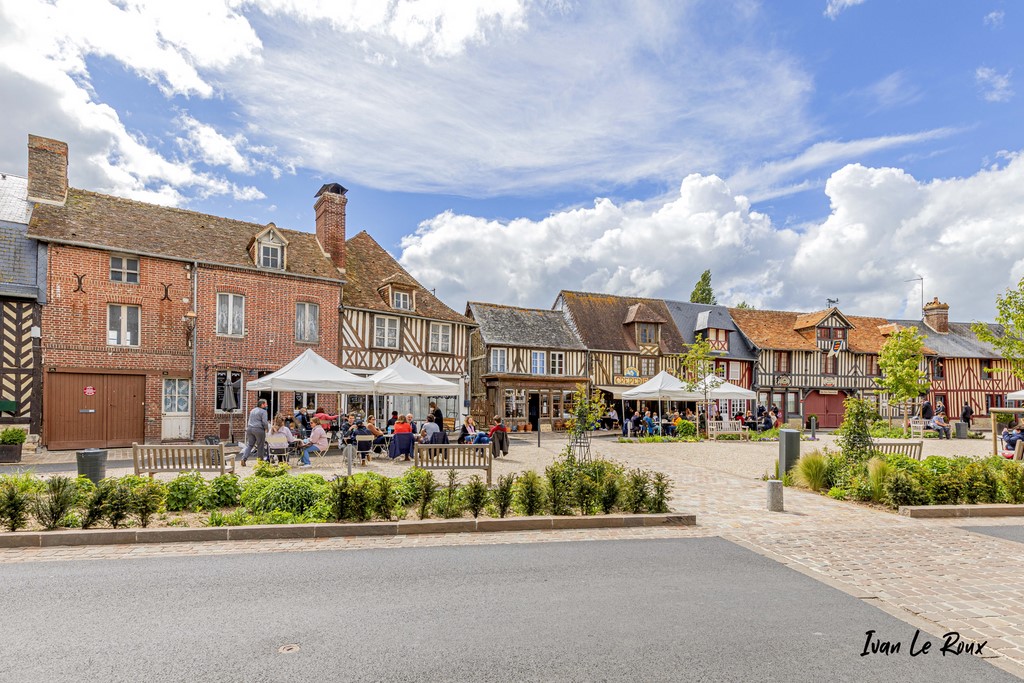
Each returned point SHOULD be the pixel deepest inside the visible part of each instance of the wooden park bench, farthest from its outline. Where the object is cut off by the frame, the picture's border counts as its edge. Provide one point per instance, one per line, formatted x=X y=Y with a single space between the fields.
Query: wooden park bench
x=719 y=427
x=463 y=456
x=201 y=457
x=911 y=449
x=918 y=426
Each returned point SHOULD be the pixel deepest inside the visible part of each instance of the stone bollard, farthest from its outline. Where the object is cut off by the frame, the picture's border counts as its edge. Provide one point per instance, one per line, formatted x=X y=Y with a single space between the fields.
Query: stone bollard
x=775 y=495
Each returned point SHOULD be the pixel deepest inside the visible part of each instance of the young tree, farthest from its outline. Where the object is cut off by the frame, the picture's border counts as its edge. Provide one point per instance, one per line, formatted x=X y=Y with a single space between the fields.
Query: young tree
x=744 y=304
x=697 y=363
x=1010 y=315
x=702 y=292
x=901 y=363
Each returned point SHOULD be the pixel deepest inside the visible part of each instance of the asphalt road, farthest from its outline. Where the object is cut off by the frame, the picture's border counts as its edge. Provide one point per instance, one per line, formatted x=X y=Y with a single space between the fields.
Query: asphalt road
x=673 y=610
x=1010 y=533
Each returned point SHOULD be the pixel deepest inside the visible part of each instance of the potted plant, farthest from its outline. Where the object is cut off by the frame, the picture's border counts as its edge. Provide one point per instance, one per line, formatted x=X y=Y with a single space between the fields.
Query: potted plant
x=11 y=440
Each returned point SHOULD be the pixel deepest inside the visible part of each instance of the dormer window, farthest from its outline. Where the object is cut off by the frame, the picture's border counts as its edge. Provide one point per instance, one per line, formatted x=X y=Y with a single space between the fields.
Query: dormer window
x=270 y=256
x=647 y=333
x=830 y=333
x=401 y=301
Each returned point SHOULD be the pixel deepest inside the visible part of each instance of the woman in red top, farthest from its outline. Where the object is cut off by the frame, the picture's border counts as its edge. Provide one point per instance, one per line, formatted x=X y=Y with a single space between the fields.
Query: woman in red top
x=402 y=425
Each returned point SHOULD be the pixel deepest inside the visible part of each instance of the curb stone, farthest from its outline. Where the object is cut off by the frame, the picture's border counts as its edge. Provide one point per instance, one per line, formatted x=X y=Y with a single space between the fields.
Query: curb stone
x=945 y=511
x=79 y=537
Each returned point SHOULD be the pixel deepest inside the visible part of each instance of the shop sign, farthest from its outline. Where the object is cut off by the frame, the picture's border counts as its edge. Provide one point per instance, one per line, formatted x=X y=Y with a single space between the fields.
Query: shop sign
x=630 y=380
x=89 y=391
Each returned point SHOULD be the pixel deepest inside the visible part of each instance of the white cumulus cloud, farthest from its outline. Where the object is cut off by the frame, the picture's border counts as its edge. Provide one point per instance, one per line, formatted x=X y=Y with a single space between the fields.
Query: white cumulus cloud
x=995 y=87
x=836 y=7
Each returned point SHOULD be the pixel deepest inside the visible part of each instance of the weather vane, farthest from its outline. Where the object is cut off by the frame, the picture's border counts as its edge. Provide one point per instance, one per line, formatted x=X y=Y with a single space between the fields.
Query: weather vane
x=829 y=303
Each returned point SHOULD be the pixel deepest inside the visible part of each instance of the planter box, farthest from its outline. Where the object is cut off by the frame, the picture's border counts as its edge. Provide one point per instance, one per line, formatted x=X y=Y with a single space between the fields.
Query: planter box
x=10 y=452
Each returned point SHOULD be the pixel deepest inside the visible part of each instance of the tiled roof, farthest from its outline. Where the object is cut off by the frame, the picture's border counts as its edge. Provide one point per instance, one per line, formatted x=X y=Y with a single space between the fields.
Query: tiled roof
x=536 y=328
x=805 y=320
x=105 y=222
x=368 y=266
x=598 y=319
x=642 y=313
x=961 y=341
x=13 y=199
x=690 y=318
x=778 y=330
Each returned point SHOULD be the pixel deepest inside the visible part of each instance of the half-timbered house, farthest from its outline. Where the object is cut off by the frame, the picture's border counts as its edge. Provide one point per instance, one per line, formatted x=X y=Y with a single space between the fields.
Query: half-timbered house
x=962 y=368
x=525 y=364
x=387 y=314
x=22 y=292
x=808 y=363
x=628 y=339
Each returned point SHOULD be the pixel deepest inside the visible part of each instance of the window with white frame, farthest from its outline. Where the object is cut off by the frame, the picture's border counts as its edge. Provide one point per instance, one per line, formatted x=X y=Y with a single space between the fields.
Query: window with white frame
x=385 y=332
x=734 y=371
x=271 y=255
x=401 y=300
x=124 y=269
x=499 y=360
x=307 y=322
x=648 y=367
x=557 y=363
x=231 y=315
x=647 y=333
x=122 y=325
x=537 y=363
x=440 y=338
x=616 y=365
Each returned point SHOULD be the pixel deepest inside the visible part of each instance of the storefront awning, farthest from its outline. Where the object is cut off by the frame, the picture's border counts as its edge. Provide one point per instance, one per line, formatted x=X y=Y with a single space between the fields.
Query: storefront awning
x=616 y=392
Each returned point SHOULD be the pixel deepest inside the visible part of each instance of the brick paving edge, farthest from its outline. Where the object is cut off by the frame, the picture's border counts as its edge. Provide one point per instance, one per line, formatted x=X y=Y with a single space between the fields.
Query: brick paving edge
x=943 y=511
x=38 y=539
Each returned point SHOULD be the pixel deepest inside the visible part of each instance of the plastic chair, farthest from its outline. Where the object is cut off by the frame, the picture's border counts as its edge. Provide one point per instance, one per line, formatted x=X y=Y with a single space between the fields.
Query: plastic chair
x=278 y=447
x=364 y=444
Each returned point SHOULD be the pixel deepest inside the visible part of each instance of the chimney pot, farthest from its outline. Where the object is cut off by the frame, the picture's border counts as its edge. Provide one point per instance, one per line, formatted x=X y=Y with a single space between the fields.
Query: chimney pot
x=47 y=170
x=330 y=222
x=936 y=316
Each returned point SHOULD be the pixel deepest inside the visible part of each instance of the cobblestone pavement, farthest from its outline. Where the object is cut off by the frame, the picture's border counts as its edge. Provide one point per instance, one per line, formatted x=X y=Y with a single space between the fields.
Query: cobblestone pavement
x=929 y=572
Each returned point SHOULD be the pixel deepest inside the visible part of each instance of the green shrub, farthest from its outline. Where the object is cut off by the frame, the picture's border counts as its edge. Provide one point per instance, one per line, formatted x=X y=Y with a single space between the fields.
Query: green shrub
x=451 y=502
x=559 y=476
x=225 y=491
x=878 y=470
x=25 y=482
x=837 y=493
x=146 y=500
x=812 y=471
x=117 y=504
x=530 y=494
x=476 y=494
x=902 y=488
x=883 y=430
x=503 y=494
x=981 y=484
x=767 y=435
x=1013 y=481
x=279 y=517
x=637 y=491
x=268 y=470
x=288 y=494
x=56 y=501
x=14 y=504
x=187 y=491
x=84 y=489
x=428 y=489
x=94 y=509
x=611 y=489
x=860 y=489
x=854 y=434
x=946 y=488
x=661 y=486
x=13 y=436
x=839 y=469
x=409 y=485
x=338 y=499
x=686 y=429
x=385 y=498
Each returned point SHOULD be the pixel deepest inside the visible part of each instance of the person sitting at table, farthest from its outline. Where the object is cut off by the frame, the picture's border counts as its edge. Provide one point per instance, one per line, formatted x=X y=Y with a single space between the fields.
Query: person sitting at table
x=749 y=421
x=378 y=435
x=470 y=434
x=326 y=421
x=635 y=423
x=279 y=439
x=766 y=422
x=393 y=419
x=316 y=443
x=613 y=417
x=363 y=447
x=429 y=429
x=346 y=423
x=940 y=425
x=402 y=425
x=302 y=419
x=1010 y=437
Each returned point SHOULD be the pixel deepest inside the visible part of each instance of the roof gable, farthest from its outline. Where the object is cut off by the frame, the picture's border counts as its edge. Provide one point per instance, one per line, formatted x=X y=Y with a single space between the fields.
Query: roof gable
x=599 y=320
x=779 y=330
x=833 y=316
x=642 y=313
x=526 y=327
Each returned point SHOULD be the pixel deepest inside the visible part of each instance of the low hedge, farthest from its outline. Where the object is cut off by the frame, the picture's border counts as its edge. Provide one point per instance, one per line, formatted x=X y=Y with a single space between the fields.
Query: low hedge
x=274 y=496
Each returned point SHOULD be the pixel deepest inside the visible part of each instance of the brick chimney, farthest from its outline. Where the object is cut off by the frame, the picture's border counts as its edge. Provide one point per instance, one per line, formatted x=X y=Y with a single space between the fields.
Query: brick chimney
x=330 y=222
x=936 y=316
x=47 y=170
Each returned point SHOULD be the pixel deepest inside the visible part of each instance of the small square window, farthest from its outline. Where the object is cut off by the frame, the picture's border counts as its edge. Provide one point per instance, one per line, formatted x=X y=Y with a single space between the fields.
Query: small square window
x=401 y=301
x=499 y=360
x=270 y=256
x=124 y=269
x=385 y=335
x=440 y=338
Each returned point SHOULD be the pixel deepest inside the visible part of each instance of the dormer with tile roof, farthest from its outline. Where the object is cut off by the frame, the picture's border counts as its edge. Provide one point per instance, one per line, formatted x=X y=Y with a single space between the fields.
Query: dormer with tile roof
x=831 y=328
x=269 y=249
x=644 y=325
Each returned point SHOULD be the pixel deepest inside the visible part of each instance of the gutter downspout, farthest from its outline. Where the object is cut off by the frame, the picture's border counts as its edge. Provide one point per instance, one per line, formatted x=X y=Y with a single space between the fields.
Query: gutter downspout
x=195 y=343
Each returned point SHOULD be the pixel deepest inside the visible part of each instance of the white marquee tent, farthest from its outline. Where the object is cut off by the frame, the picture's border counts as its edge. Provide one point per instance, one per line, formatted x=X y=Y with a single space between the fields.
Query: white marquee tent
x=402 y=378
x=662 y=386
x=1015 y=396
x=311 y=372
x=719 y=389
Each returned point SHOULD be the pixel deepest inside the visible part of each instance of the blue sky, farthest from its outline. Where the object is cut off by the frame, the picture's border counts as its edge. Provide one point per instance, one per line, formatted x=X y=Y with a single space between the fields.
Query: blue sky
x=507 y=149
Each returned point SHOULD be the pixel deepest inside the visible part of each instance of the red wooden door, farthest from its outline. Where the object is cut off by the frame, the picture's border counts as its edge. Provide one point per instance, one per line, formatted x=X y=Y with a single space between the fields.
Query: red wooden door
x=92 y=410
x=828 y=408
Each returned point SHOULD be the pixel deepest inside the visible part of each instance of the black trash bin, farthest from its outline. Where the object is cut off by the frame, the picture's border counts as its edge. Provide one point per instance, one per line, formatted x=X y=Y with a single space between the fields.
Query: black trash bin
x=961 y=430
x=92 y=463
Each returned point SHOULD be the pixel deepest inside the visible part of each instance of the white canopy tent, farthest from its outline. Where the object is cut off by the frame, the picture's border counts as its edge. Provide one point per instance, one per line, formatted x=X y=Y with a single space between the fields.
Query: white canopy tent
x=402 y=378
x=718 y=388
x=311 y=372
x=1015 y=396
x=662 y=386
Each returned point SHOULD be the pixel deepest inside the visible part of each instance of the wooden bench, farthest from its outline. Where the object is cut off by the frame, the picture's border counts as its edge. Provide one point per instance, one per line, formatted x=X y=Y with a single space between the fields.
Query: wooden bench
x=454 y=456
x=911 y=449
x=918 y=426
x=201 y=457
x=1018 y=452
x=719 y=427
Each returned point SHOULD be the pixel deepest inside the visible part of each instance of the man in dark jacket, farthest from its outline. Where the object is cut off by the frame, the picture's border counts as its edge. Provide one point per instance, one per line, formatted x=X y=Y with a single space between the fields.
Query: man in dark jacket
x=927 y=412
x=966 y=414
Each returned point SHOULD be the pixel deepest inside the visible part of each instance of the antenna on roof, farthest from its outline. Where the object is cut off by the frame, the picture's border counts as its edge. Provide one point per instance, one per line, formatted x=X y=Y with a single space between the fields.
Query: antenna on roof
x=920 y=279
x=829 y=303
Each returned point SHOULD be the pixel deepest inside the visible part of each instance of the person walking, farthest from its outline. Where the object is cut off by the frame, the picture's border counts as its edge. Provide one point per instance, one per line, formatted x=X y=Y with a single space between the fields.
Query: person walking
x=256 y=430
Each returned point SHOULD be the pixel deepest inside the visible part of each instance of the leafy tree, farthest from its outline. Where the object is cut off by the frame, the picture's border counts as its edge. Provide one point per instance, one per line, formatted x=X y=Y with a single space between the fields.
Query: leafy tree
x=1010 y=315
x=702 y=292
x=744 y=304
x=587 y=409
x=901 y=363
x=697 y=363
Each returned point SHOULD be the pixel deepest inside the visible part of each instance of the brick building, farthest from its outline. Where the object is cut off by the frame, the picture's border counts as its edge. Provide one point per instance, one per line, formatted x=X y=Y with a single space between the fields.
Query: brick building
x=154 y=314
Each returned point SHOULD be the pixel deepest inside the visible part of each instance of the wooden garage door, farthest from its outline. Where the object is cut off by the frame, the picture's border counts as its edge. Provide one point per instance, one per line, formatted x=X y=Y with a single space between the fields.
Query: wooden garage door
x=828 y=408
x=89 y=410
